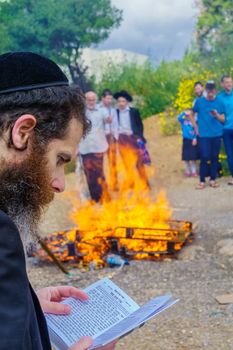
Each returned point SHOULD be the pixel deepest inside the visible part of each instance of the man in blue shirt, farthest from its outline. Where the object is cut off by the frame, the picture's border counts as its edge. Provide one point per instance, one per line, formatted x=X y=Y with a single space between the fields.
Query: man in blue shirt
x=210 y=118
x=226 y=96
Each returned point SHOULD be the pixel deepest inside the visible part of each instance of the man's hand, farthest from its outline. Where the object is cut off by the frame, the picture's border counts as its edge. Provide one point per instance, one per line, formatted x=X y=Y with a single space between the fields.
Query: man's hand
x=214 y=113
x=85 y=342
x=51 y=297
x=194 y=142
x=108 y=120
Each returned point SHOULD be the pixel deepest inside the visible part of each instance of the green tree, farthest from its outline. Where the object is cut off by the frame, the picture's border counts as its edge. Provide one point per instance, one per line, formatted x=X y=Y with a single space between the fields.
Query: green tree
x=56 y=28
x=214 y=25
x=153 y=88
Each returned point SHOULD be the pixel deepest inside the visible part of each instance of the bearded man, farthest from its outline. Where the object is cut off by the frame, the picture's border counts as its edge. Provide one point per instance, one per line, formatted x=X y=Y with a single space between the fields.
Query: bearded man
x=42 y=119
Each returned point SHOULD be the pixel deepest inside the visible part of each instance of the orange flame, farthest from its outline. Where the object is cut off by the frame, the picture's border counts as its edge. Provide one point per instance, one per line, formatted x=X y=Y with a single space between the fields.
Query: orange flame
x=132 y=219
x=133 y=206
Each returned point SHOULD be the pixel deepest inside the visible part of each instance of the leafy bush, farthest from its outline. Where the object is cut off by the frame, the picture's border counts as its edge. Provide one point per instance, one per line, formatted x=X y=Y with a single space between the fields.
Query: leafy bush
x=223 y=159
x=153 y=88
x=183 y=99
x=185 y=94
x=168 y=122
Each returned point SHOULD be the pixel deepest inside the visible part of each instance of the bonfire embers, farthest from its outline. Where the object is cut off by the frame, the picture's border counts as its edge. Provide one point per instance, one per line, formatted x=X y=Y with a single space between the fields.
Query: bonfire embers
x=83 y=248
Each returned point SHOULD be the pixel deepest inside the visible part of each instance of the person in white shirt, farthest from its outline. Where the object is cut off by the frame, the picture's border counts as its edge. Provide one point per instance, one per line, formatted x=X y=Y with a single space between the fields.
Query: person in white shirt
x=92 y=148
x=111 y=132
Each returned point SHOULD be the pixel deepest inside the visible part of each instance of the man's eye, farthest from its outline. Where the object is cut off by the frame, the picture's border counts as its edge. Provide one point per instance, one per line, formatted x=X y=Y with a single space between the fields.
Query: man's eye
x=63 y=159
x=60 y=160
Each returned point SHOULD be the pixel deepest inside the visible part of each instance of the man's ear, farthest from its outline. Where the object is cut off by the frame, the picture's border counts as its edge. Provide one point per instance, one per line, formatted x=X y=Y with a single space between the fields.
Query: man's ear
x=22 y=130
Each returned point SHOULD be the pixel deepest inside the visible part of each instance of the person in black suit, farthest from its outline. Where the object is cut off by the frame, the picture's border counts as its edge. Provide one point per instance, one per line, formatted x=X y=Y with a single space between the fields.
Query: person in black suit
x=41 y=120
x=130 y=135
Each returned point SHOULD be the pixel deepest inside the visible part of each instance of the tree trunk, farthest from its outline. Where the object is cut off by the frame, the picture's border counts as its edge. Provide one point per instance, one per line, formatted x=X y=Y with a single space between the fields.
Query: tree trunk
x=79 y=78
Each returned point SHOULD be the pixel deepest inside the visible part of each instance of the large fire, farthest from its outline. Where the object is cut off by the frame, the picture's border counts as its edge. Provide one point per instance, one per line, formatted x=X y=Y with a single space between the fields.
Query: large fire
x=132 y=223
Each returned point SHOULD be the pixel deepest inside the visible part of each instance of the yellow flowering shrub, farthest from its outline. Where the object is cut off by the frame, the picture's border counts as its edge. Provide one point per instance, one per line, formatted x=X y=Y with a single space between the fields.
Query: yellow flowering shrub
x=184 y=99
x=222 y=158
x=185 y=95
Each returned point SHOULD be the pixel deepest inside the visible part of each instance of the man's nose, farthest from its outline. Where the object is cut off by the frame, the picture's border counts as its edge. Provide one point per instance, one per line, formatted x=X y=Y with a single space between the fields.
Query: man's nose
x=58 y=184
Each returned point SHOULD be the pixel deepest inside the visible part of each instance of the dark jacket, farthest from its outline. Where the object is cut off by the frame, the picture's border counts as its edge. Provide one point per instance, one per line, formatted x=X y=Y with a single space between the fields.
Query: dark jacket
x=22 y=323
x=136 y=122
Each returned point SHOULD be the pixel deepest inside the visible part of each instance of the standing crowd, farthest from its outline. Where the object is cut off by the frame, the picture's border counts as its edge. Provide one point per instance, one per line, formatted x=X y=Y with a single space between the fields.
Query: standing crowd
x=204 y=126
x=113 y=130
x=120 y=131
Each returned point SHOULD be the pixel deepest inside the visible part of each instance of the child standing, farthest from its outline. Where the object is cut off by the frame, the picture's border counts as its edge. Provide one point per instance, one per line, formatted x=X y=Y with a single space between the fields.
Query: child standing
x=189 y=145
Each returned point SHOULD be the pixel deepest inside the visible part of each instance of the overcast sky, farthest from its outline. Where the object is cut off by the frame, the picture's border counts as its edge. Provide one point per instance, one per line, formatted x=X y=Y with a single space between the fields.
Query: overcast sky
x=162 y=29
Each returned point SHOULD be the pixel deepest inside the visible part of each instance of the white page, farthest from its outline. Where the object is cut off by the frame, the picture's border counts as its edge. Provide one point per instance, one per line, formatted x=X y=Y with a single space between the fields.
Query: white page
x=134 y=320
x=107 y=305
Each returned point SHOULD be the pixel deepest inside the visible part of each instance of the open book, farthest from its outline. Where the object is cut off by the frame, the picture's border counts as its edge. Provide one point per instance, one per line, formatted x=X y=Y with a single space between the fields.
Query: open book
x=108 y=314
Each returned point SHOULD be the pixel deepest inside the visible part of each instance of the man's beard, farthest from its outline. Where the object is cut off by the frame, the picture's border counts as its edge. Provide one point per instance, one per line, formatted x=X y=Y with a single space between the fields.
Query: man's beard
x=25 y=190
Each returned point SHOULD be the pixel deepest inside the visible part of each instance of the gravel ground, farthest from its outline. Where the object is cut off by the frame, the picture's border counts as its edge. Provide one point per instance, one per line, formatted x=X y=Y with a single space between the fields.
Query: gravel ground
x=198 y=275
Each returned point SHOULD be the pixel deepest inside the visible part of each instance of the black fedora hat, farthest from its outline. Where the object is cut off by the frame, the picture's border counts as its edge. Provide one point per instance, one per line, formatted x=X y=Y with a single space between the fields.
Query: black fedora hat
x=124 y=94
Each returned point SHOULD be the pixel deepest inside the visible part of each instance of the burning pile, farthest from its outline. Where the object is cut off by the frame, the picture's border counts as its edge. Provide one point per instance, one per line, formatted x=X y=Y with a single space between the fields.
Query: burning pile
x=132 y=226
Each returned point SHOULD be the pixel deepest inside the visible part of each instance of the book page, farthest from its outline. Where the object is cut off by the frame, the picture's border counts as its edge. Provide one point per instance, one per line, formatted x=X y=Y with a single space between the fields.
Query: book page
x=134 y=320
x=107 y=305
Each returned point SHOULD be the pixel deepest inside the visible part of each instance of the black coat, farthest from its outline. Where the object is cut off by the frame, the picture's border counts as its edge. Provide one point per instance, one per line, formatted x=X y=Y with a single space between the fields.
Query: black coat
x=22 y=323
x=136 y=122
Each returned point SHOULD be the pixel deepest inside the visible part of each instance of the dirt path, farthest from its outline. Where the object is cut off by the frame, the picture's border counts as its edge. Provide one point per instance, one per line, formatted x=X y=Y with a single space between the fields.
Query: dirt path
x=165 y=153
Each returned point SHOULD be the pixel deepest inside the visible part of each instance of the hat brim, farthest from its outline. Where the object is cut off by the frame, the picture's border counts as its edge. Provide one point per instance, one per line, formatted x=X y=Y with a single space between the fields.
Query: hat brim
x=33 y=87
x=123 y=94
x=210 y=87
